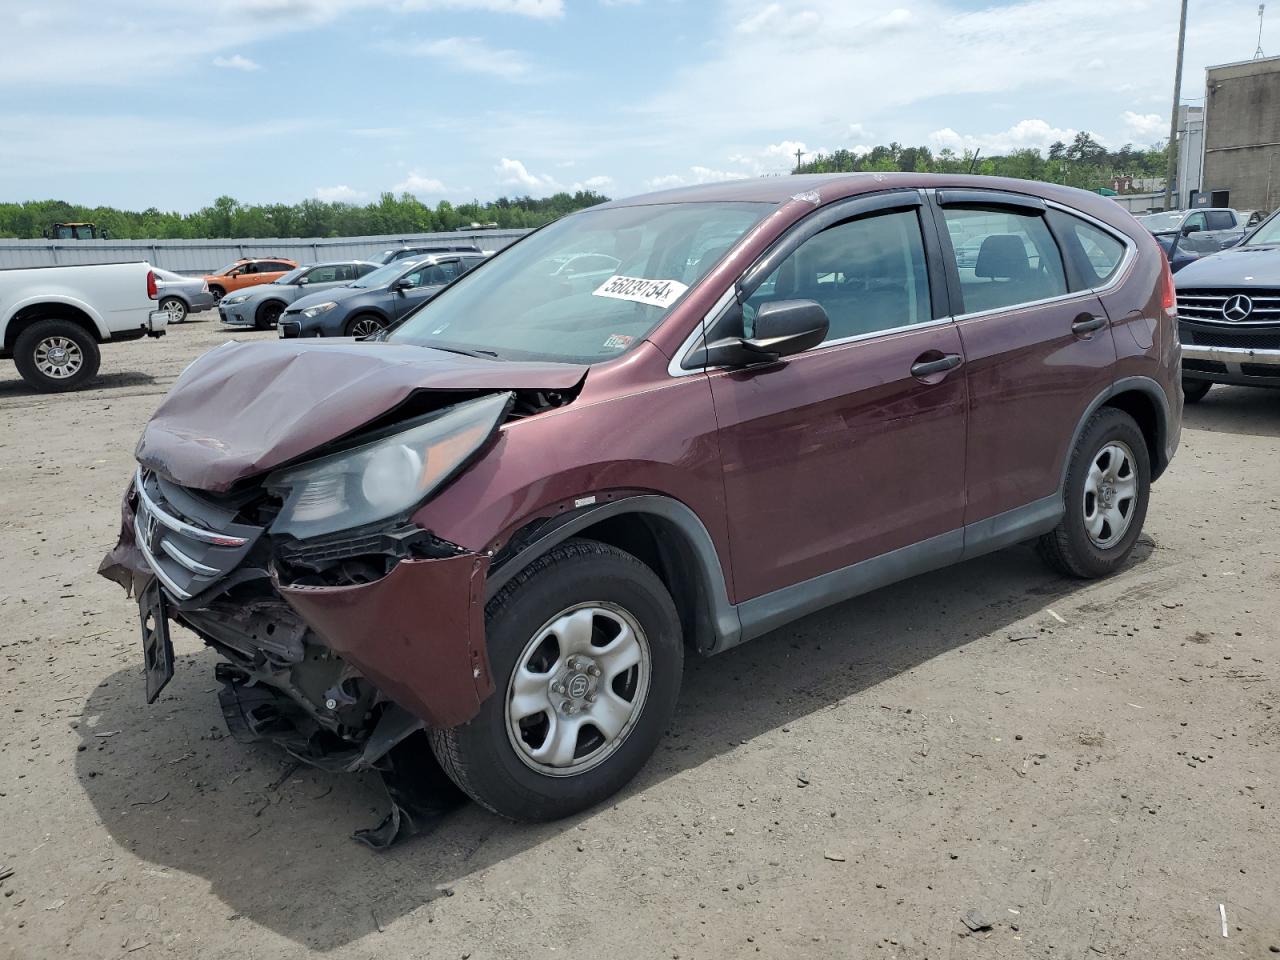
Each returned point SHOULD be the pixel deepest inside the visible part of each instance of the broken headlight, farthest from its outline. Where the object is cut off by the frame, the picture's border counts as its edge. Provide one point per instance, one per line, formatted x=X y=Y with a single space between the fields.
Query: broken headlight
x=386 y=477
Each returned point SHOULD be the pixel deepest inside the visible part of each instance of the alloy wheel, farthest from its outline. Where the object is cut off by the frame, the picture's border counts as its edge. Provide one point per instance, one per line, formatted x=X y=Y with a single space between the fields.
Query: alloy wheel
x=58 y=358
x=577 y=689
x=1110 y=494
x=365 y=327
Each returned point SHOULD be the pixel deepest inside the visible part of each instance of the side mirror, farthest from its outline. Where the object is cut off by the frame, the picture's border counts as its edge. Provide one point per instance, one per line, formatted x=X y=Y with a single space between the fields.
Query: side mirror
x=303 y=281
x=782 y=328
x=1190 y=228
x=404 y=283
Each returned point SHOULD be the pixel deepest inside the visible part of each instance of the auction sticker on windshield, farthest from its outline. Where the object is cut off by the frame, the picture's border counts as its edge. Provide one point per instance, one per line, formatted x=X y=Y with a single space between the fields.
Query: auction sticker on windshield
x=656 y=293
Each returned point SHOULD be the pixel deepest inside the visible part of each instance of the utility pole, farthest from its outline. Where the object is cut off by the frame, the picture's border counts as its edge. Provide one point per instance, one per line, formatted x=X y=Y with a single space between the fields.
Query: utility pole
x=1258 y=54
x=1171 y=171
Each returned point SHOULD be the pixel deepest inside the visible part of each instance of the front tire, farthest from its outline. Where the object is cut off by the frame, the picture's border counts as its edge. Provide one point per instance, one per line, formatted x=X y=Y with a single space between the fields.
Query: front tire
x=586 y=650
x=365 y=325
x=218 y=294
x=54 y=356
x=176 y=308
x=1108 y=486
x=1193 y=391
x=268 y=315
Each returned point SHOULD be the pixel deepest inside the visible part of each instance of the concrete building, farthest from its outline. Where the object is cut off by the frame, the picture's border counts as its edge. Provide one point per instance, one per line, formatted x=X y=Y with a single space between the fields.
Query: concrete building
x=1242 y=136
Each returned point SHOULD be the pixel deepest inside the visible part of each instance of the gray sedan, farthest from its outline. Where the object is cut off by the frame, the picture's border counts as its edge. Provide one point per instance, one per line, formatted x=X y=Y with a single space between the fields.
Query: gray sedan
x=260 y=306
x=181 y=296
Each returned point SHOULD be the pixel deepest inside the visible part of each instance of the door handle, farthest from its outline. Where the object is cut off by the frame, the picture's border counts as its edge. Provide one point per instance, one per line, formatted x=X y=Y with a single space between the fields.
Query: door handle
x=927 y=368
x=1087 y=323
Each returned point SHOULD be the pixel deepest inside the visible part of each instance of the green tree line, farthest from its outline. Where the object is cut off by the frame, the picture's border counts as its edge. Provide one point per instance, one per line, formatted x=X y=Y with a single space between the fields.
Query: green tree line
x=1081 y=163
x=227 y=217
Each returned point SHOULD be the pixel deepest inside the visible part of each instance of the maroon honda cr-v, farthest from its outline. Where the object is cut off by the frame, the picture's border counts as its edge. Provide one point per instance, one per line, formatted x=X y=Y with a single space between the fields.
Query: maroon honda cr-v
x=508 y=520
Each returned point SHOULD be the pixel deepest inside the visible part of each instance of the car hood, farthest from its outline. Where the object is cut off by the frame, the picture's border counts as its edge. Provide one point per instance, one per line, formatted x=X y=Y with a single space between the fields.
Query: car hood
x=278 y=291
x=336 y=294
x=1237 y=267
x=245 y=408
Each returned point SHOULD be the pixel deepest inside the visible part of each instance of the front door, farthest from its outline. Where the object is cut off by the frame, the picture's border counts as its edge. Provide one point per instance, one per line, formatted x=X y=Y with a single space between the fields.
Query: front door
x=426 y=281
x=1037 y=341
x=856 y=447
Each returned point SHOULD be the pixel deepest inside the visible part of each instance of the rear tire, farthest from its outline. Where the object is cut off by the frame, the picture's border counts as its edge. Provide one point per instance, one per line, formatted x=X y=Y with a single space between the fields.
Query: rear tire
x=1193 y=391
x=54 y=356
x=176 y=308
x=218 y=294
x=553 y=646
x=1108 y=486
x=268 y=315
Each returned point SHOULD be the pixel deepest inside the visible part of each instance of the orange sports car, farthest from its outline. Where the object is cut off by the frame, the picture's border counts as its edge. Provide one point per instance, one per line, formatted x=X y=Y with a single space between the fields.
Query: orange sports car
x=246 y=273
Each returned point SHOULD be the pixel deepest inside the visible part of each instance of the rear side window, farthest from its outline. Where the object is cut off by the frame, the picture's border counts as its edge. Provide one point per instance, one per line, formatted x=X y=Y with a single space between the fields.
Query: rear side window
x=1004 y=257
x=868 y=274
x=1220 y=219
x=360 y=269
x=1096 y=253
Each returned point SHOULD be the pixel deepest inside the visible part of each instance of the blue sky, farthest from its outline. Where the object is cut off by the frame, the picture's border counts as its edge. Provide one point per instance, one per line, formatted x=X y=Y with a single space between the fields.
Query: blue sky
x=139 y=103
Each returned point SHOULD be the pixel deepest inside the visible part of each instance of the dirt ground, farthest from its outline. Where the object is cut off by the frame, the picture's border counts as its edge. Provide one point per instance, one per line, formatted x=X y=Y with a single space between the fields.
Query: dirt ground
x=1091 y=767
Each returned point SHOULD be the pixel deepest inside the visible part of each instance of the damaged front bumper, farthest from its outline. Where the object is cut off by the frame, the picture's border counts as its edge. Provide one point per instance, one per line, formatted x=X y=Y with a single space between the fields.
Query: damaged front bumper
x=337 y=650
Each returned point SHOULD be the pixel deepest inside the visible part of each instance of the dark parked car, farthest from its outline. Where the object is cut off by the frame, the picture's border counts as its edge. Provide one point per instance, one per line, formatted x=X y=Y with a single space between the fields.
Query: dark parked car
x=508 y=520
x=1229 y=315
x=376 y=300
x=422 y=250
x=261 y=306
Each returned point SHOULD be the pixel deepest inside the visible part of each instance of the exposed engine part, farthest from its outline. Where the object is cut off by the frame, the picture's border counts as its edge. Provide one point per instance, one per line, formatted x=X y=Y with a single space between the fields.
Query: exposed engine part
x=252 y=628
x=355 y=559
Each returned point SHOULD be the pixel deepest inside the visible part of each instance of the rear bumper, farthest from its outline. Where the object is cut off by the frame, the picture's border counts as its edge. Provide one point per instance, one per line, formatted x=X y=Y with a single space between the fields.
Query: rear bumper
x=201 y=302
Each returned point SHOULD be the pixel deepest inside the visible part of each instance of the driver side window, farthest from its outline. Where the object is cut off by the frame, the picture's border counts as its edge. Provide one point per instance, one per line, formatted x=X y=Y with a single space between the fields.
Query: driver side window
x=868 y=274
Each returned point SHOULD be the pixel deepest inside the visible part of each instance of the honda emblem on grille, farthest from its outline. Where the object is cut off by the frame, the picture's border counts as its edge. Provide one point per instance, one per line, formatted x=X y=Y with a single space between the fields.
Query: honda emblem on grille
x=1237 y=308
x=150 y=530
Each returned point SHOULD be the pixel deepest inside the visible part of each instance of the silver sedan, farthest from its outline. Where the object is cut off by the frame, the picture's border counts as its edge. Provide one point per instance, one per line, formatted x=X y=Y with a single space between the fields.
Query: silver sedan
x=181 y=296
x=260 y=307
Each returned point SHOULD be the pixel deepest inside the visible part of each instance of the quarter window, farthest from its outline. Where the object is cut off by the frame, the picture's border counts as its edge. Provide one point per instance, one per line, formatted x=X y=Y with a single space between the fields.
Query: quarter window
x=1095 y=252
x=868 y=274
x=1003 y=257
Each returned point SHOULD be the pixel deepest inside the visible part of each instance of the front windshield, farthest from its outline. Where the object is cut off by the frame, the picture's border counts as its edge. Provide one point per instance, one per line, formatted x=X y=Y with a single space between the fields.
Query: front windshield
x=380 y=277
x=1268 y=233
x=383 y=257
x=228 y=268
x=291 y=277
x=587 y=287
x=1161 y=222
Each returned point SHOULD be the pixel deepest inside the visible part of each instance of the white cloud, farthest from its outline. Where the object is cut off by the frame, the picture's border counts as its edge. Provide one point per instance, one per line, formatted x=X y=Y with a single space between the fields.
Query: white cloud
x=236 y=62
x=697 y=174
x=513 y=173
x=539 y=9
x=472 y=55
x=1146 y=126
x=596 y=183
x=1025 y=134
x=339 y=194
x=418 y=184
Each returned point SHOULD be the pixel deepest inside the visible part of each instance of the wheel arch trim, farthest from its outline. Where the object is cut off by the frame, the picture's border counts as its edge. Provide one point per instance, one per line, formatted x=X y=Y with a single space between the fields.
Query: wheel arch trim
x=1153 y=392
x=724 y=623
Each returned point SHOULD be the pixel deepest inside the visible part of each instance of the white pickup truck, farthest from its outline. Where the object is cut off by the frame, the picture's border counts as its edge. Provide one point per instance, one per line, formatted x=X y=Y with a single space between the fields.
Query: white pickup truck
x=53 y=318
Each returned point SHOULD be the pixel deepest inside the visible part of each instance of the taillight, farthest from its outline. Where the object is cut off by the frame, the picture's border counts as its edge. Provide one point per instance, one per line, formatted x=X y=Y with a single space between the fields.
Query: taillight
x=152 y=292
x=1170 y=292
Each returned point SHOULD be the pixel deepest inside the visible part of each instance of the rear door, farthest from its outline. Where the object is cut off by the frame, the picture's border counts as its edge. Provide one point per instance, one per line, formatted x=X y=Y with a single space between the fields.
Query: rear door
x=1038 y=345
x=852 y=449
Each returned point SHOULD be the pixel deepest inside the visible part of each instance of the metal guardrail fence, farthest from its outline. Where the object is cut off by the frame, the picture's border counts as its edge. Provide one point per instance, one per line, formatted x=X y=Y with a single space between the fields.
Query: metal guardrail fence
x=203 y=256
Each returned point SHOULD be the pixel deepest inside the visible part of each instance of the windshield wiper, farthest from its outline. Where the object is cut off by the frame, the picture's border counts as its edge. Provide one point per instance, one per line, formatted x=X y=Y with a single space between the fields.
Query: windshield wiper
x=481 y=354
